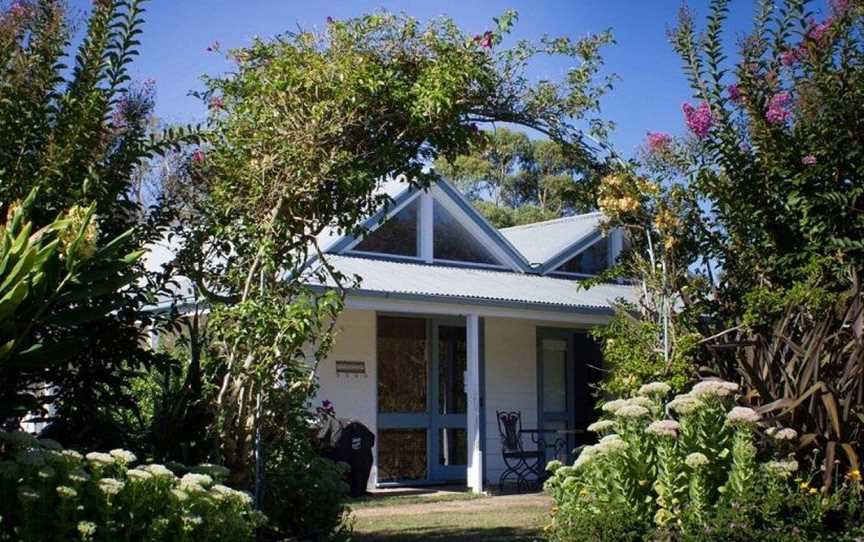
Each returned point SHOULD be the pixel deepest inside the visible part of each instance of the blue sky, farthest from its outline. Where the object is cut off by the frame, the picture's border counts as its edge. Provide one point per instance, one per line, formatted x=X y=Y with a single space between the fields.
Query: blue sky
x=647 y=97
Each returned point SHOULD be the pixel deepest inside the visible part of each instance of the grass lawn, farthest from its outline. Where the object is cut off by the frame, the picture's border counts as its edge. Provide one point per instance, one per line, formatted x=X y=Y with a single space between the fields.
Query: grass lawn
x=452 y=518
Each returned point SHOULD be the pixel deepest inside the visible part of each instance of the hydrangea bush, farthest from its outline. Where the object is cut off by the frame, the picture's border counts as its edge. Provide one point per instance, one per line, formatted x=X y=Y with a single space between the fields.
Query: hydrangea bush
x=48 y=493
x=697 y=467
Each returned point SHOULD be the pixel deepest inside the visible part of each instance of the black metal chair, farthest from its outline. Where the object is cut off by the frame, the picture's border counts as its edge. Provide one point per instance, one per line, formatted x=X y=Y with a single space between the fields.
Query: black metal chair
x=524 y=468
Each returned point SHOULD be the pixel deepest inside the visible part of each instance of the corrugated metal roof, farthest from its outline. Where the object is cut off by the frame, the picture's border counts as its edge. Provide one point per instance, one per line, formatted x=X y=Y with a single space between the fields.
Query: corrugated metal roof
x=541 y=241
x=387 y=277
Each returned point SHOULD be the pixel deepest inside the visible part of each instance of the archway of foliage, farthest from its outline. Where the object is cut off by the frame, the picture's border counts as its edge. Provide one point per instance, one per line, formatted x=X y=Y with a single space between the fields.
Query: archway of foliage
x=301 y=134
x=756 y=217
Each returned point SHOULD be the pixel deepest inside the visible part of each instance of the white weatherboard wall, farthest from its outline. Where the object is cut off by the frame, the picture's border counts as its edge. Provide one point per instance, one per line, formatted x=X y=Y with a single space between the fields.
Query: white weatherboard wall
x=511 y=380
x=352 y=396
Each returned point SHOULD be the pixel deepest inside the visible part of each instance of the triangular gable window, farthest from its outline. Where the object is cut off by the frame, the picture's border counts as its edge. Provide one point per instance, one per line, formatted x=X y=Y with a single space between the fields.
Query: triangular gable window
x=398 y=235
x=591 y=261
x=452 y=241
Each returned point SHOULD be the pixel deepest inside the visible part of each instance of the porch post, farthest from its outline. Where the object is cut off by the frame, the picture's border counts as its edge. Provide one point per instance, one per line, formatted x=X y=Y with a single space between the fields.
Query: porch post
x=472 y=383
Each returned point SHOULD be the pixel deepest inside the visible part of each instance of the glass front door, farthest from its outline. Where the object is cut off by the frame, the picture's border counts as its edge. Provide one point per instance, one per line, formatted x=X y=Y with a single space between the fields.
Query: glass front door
x=449 y=434
x=569 y=365
x=421 y=400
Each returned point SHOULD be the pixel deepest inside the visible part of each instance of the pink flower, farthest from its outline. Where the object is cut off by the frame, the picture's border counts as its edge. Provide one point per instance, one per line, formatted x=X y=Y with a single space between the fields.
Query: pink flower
x=216 y=103
x=778 y=108
x=658 y=142
x=808 y=160
x=734 y=92
x=817 y=31
x=485 y=40
x=213 y=47
x=699 y=119
x=17 y=10
x=839 y=6
x=198 y=157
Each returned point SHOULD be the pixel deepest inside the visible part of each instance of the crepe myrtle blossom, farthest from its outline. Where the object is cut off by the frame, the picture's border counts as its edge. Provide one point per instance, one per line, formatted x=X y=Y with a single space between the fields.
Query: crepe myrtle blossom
x=699 y=119
x=809 y=160
x=198 y=156
x=216 y=103
x=658 y=142
x=818 y=30
x=734 y=92
x=778 y=108
x=485 y=40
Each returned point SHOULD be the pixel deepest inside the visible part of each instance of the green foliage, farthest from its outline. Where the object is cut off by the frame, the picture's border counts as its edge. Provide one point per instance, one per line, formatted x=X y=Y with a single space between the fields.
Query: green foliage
x=80 y=134
x=706 y=475
x=51 y=494
x=505 y=217
x=633 y=355
x=505 y=169
x=306 y=495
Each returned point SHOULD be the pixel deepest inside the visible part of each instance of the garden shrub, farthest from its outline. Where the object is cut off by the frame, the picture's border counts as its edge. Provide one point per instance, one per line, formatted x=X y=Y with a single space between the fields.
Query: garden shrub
x=305 y=495
x=48 y=493
x=695 y=468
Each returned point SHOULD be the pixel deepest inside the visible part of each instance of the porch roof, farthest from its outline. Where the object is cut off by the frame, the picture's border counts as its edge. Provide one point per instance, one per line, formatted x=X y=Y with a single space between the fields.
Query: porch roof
x=388 y=278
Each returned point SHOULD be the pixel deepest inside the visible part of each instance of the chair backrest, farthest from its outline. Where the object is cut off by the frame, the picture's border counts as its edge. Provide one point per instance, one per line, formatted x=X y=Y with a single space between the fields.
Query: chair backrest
x=510 y=428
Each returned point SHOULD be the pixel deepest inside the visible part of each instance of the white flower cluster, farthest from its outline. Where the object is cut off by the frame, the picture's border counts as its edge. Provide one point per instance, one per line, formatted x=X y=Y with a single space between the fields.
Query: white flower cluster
x=110 y=486
x=655 y=389
x=696 y=460
x=601 y=426
x=195 y=483
x=782 y=469
x=684 y=404
x=632 y=411
x=100 y=458
x=158 y=471
x=782 y=433
x=664 y=428
x=743 y=416
x=713 y=388
x=612 y=406
x=123 y=456
x=138 y=475
x=221 y=492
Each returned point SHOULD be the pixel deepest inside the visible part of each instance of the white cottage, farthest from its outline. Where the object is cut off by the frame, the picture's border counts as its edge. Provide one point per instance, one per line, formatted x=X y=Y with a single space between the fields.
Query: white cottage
x=455 y=321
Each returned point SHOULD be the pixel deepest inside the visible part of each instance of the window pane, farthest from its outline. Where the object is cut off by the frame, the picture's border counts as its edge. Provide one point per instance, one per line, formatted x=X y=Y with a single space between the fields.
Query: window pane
x=453 y=242
x=453 y=447
x=554 y=376
x=401 y=455
x=402 y=373
x=398 y=235
x=452 y=362
x=591 y=261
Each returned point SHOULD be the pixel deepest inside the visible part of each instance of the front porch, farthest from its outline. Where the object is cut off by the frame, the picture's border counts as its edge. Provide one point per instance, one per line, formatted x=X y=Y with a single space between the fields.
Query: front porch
x=428 y=378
